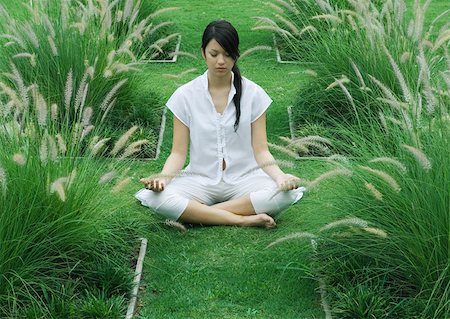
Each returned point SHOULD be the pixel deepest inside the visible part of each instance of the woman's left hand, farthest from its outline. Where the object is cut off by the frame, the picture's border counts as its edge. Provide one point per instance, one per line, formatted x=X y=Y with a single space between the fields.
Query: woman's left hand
x=287 y=182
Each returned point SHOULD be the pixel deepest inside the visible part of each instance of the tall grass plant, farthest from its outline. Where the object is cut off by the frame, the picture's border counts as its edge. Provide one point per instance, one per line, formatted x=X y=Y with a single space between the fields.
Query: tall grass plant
x=389 y=257
x=63 y=236
x=87 y=50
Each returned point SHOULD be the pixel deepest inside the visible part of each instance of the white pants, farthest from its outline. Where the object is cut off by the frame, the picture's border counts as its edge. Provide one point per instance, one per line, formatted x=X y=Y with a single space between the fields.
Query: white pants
x=172 y=202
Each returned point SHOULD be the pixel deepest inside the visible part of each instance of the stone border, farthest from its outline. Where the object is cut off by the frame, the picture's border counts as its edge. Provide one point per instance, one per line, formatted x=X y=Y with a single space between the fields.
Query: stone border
x=322 y=288
x=174 y=58
x=137 y=279
x=277 y=51
x=161 y=134
x=160 y=139
x=291 y=121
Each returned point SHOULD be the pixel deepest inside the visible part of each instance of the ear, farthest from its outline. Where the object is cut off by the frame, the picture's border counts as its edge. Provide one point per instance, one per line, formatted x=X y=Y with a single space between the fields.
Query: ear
x=203 y=53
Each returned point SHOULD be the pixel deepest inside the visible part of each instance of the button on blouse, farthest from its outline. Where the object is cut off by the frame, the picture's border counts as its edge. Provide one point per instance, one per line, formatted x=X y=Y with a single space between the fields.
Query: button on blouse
x=212 y=137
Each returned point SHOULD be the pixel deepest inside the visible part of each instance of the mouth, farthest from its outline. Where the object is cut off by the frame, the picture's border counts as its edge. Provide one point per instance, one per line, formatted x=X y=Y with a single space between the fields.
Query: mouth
x=221 y=69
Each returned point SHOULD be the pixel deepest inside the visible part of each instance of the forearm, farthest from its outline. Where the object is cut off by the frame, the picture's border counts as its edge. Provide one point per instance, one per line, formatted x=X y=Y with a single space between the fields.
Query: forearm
x=267 y=162
x=174 y=163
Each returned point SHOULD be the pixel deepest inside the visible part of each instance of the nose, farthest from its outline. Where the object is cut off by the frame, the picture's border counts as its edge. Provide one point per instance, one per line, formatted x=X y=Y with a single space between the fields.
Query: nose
x=221 y=59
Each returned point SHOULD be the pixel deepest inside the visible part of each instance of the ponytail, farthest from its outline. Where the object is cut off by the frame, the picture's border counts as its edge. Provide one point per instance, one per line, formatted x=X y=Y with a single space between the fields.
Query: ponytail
x=237 y=97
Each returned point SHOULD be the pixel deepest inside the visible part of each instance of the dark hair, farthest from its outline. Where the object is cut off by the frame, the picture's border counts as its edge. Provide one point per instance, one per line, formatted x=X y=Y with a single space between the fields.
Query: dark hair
x=226 y=35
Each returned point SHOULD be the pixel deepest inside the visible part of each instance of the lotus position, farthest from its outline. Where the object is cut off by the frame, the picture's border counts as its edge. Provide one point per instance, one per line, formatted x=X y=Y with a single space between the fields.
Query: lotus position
x=220 y=117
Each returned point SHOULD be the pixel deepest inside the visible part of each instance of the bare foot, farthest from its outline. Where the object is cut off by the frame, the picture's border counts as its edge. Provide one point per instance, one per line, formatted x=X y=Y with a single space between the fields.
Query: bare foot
x=259 y=220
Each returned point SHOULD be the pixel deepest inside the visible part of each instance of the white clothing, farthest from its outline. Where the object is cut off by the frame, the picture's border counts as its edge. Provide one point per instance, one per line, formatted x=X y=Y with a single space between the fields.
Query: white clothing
x=172 y=202
x=212 y=140
x=212 y=135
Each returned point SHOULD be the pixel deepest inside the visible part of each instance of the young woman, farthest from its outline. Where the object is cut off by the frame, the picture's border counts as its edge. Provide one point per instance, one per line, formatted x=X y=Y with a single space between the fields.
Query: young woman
x=221 y=115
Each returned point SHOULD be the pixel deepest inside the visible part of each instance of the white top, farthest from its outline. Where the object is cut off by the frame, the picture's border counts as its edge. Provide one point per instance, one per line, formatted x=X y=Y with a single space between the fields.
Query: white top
x=212 y=135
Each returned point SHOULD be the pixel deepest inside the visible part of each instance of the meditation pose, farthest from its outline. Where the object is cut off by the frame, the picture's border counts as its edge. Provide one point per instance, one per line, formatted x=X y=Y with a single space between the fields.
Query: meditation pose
x=220 y=117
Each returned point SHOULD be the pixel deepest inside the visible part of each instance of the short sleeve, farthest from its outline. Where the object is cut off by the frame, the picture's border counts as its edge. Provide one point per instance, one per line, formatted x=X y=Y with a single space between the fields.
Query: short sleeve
x=177 y=104
x=261 y=101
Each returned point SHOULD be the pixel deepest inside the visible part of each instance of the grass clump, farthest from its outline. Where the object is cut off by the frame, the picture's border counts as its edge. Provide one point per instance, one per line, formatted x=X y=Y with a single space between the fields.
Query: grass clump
x=86 y=52
x=63 y=236
x=389 y=258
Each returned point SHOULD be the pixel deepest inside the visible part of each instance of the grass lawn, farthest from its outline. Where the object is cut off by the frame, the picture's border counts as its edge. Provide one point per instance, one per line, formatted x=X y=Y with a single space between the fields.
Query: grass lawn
x=226 y=272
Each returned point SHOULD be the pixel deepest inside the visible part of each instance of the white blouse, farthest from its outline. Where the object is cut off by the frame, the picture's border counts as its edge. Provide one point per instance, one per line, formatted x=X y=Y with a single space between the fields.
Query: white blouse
x=212 y=135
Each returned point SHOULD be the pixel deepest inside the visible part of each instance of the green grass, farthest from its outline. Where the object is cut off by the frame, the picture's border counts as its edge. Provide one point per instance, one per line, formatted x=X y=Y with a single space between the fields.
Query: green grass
x=226 y=271
x=411 y=265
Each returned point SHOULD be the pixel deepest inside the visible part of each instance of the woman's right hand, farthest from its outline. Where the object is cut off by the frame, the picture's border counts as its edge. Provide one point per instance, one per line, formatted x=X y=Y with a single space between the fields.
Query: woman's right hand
x=154 y=184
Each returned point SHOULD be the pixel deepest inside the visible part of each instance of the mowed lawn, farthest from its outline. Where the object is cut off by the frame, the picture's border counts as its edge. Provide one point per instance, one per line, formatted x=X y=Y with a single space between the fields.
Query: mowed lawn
x=227 y=272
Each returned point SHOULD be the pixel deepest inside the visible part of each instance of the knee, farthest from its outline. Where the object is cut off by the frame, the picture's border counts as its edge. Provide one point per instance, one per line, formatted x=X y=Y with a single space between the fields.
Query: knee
x=265 y=202
x=164 y=203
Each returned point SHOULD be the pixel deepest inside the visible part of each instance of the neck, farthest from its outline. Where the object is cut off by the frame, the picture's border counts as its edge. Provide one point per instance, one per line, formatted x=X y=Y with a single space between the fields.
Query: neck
x=219 y=82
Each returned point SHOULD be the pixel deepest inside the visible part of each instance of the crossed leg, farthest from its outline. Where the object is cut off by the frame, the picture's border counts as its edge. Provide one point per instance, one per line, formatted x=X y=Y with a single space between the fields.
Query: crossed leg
x=239 y=206
x=198 y=213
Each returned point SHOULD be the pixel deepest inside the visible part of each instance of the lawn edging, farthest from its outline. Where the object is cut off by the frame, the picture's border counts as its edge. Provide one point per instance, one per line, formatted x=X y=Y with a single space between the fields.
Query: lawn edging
x=137 y=279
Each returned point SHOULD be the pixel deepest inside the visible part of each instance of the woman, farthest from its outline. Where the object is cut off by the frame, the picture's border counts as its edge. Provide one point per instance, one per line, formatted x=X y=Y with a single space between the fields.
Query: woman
x=221 y=115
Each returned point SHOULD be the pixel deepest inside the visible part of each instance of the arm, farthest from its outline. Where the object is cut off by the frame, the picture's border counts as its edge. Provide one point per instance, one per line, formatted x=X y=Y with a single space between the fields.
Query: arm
x=263 y=156
x=180 y=143
x=176 y=159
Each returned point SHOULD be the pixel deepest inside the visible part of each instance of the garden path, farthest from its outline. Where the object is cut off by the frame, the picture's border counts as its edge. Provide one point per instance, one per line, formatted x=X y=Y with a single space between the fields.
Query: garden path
x=226 y=272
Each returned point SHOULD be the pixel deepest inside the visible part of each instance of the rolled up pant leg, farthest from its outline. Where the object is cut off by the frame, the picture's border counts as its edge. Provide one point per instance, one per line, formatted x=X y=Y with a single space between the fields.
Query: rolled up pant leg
x=172 y=202
x=261 y=190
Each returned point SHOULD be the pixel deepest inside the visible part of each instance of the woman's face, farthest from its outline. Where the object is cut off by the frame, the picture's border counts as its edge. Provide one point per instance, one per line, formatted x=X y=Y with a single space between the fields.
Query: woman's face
x=218 y=60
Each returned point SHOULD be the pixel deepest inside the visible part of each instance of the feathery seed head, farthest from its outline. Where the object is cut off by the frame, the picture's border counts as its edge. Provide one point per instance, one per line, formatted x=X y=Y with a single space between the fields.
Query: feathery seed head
x=384 y=176
x=344 y=79
x=106 y=178
x=58 y=188
x=41 y=108
x=121 y=184
x=352 y=221
x=420 y=156
x=111 y=94
x=375 y=231
x=330 y=174
x=87 y=115
x=375 y=192
x=133 y=148
x=68 y=90
x=54 y=111
x=174 y=224
x=310 y=72
x=338 y=158
x=98 y=146
x=120 y=143
x=19 y=159
x=161 y=11
x=62 y=148
x=3 y=179
x=390 y=160
x=300 y=235
x=405 y=57
x=43 y=150
x=53 y=47
x=284 y=150
x=256 y=48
